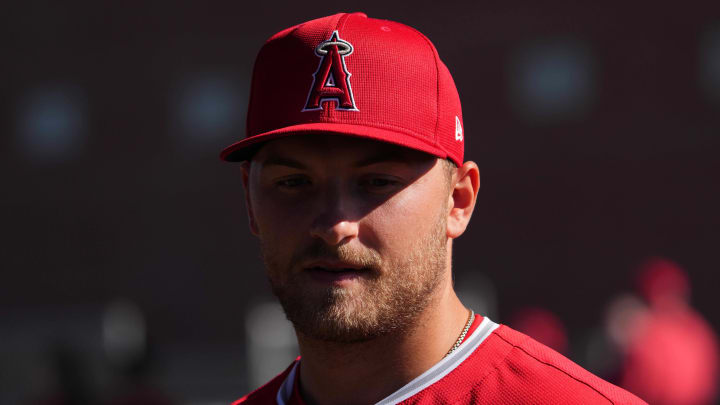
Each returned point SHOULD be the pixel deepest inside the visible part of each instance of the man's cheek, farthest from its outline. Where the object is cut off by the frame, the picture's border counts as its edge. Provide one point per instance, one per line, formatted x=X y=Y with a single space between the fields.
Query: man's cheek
x=382 y=231
x=273 y=215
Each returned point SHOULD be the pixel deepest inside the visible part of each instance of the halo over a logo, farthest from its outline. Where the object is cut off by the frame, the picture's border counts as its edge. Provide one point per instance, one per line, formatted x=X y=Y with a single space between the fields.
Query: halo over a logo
x=331 y=80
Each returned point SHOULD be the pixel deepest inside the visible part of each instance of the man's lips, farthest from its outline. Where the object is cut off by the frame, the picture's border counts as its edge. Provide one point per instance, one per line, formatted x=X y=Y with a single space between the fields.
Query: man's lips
x=336 y=273
x=333 y=266
x=333 y=269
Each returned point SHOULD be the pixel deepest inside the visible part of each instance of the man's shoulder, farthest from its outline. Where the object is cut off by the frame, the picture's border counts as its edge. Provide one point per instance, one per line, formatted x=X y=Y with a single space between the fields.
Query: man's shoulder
x=530 y=371
x=267 y=393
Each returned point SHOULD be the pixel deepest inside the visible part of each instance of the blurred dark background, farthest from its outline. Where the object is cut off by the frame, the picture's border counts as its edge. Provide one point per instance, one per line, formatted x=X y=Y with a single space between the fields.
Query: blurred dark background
x=596 y=128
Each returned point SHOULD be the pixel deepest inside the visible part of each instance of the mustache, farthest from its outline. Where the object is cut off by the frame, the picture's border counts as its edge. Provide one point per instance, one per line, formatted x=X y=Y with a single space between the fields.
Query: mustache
x=319 y=251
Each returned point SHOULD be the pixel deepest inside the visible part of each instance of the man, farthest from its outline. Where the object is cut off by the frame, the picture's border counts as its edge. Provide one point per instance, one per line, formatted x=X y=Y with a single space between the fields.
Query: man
x=356 y=187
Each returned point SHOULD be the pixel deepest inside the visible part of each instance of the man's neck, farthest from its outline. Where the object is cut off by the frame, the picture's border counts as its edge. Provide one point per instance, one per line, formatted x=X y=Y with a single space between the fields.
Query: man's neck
x=366 y=372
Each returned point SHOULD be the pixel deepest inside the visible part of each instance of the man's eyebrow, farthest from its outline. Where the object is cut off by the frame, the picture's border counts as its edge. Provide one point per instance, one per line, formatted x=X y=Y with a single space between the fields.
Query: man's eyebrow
x=283 y=161
x=382 y=158
x=371 y=160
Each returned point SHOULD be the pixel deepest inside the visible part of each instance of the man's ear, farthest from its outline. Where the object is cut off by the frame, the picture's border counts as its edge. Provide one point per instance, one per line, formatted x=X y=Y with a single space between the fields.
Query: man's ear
x=466 y=184
x=245 y=167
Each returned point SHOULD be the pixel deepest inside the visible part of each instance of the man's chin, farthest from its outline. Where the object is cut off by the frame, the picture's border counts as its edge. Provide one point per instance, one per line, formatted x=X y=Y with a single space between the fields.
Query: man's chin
x=337 y=332
x=334 y=321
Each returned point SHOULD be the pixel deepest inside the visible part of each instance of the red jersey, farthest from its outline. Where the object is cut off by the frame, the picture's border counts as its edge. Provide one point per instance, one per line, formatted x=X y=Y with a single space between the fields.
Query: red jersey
x=494 y=365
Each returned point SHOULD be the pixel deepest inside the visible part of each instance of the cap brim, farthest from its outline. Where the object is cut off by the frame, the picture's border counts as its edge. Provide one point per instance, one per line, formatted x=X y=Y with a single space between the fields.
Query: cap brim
x=243 y=150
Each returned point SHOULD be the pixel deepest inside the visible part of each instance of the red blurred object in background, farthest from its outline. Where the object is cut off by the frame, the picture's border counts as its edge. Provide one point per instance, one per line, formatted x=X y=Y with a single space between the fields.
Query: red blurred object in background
x=661 y=281
x=671 y=353
x=543 y=326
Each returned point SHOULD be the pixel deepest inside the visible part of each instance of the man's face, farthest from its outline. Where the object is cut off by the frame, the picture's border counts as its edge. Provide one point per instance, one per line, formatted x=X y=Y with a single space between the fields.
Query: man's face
x=353 y=232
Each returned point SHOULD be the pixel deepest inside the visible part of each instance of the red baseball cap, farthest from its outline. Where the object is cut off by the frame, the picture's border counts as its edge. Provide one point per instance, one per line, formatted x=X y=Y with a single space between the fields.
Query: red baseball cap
x=348 y=74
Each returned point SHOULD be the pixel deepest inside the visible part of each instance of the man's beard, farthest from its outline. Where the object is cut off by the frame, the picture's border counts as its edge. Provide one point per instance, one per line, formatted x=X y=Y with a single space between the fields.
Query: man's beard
x=387 y=298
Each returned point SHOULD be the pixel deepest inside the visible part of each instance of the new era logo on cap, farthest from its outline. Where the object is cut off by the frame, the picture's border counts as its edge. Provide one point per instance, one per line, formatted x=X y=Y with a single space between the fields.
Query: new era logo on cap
x=458 y=129
x=348 y=74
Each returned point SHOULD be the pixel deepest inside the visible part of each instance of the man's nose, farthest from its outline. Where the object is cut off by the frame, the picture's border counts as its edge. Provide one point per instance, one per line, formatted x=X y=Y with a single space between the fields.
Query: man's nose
x=336 y=234
x=335 y=224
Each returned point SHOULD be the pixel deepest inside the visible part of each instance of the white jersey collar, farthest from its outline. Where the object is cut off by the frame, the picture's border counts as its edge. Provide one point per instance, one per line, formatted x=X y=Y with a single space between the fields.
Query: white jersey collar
x=424 y=380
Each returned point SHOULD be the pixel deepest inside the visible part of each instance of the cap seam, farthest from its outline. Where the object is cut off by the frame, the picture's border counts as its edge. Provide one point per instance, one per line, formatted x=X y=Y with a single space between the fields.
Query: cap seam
x=341 y=21
x=436 y=57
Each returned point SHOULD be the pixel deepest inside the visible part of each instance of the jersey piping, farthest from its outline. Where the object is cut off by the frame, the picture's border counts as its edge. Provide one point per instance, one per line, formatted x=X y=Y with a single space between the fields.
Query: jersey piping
x=286 y=388
x=424 y=380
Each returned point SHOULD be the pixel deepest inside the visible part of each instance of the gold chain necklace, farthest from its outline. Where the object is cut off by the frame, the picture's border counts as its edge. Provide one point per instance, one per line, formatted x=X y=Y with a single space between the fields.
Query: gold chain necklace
x=460 y=338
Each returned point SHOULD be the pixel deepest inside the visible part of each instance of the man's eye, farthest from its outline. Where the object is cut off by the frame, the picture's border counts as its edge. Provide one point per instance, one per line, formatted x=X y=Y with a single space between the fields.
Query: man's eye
x=380 y=183
x=292 y=182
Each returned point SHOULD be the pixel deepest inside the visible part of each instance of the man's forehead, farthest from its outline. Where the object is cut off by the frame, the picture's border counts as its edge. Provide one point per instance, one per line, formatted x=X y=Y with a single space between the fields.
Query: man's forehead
x=352 y=150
